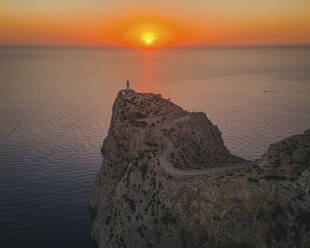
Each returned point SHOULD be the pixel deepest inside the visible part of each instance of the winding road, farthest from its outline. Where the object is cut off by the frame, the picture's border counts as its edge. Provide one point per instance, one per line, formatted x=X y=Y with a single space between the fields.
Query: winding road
x=171 y=170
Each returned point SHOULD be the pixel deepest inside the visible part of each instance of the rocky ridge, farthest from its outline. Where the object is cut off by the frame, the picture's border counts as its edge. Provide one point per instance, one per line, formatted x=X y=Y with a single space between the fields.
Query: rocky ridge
x=167 y=180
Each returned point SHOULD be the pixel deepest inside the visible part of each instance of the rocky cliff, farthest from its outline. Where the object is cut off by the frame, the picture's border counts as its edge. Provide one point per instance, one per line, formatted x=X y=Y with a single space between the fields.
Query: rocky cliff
x=167 y=180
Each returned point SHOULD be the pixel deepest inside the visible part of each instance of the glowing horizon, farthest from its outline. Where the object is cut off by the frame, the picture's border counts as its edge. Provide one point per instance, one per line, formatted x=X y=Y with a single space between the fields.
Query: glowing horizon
x=154 y=24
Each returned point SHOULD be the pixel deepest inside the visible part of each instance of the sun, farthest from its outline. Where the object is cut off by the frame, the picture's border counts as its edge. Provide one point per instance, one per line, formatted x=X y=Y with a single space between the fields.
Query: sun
x=148 y=38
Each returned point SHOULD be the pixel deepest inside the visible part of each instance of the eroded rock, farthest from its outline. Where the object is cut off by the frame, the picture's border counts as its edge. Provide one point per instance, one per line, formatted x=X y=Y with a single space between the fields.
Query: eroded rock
x=167 y=180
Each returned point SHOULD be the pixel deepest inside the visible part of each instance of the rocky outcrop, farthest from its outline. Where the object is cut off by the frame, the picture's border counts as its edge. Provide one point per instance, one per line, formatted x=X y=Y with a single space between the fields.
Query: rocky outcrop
x=167 y=180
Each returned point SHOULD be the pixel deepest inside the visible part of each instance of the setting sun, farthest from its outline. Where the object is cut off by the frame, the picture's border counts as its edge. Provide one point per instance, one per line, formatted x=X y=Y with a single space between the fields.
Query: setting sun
x=147 y=31
x=148 y=38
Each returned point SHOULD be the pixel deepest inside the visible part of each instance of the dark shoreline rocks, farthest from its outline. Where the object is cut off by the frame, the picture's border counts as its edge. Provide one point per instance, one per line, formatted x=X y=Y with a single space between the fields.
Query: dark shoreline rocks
x=137 y=202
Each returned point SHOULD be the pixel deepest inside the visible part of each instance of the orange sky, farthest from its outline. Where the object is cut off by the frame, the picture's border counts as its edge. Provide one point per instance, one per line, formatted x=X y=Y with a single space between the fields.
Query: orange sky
x=177 y=23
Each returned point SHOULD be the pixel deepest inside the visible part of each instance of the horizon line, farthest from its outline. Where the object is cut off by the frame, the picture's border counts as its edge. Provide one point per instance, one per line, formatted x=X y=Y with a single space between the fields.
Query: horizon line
x=151 y=48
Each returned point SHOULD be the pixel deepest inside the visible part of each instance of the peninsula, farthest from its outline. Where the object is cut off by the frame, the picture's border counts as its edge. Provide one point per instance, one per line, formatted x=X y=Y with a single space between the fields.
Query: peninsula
x=168 y=180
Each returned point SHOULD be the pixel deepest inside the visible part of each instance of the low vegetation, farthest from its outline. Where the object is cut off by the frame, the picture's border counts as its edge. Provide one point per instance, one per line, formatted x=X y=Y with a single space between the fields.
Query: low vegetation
x=136 y=123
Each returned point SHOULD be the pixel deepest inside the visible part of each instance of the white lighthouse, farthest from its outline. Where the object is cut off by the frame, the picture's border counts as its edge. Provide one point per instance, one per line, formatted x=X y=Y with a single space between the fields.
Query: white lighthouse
x=127 y=85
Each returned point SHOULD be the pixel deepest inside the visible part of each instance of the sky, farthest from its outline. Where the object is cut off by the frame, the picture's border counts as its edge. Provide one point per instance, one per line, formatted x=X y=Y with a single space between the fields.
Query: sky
x=154 y=23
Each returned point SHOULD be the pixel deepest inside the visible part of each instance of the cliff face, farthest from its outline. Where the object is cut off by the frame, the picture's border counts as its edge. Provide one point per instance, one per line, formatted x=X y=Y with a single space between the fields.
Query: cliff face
x=167 y=180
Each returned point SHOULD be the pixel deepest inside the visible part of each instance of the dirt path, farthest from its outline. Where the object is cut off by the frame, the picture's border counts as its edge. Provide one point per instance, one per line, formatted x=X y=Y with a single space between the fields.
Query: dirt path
x=171 y=170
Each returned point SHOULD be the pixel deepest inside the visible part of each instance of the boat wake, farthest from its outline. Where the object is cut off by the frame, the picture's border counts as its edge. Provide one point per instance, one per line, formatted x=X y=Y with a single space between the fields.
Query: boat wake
x=287 y=91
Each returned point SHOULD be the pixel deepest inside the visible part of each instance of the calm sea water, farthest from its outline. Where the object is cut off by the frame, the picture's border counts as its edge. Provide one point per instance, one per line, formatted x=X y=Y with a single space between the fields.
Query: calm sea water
x=55 y=109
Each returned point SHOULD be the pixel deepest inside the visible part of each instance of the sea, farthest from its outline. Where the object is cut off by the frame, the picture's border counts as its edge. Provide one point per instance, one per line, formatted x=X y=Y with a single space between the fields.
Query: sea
x=56 y=106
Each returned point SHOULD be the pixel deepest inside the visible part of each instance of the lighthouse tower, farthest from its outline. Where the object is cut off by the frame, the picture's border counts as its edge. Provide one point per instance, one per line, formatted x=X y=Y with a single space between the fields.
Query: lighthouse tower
x=127 y=85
